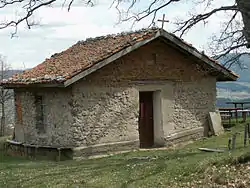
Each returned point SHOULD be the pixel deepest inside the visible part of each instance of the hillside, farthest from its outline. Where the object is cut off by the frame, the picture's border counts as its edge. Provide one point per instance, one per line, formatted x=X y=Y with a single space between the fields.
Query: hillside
x=239 y=90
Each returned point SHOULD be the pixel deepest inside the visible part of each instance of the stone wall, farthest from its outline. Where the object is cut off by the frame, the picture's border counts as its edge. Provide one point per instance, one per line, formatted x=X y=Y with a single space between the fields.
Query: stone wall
x=58 y=118
x=155 y=61
x=192 y=101
x=104 y=115
x=106 y=103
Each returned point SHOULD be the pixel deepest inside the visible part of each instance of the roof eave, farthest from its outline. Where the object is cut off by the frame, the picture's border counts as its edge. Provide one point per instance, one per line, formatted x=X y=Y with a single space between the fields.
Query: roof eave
x=227 y=78
x=32 y=85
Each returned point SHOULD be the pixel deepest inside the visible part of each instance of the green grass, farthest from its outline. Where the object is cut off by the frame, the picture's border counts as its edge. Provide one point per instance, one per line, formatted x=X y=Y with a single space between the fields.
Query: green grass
x=158 y=168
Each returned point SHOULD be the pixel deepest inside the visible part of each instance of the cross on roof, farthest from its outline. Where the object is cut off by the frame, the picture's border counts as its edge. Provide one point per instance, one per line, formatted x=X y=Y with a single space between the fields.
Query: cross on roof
x=163 y=21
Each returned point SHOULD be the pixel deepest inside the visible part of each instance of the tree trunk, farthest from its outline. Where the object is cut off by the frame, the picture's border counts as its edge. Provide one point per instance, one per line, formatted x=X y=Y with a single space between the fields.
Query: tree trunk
x=3 y=113
x=2 y=120
x=2 y=117
x=3 y=125
x=244 y=8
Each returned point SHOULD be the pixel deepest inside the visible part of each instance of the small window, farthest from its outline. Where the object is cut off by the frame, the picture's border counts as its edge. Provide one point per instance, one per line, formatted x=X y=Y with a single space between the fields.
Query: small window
x=39 y=103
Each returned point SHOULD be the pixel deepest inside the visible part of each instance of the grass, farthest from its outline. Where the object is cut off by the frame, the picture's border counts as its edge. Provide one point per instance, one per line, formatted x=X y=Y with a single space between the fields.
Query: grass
x=181 y=167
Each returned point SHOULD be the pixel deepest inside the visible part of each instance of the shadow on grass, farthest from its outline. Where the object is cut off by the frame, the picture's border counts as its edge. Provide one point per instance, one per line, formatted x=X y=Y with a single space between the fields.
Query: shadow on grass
x=4 y=158
x=228 y=125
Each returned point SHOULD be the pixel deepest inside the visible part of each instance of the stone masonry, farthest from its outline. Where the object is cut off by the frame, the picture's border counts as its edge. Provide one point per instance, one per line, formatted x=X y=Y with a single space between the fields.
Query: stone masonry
x=103 y=107
x=58 y=118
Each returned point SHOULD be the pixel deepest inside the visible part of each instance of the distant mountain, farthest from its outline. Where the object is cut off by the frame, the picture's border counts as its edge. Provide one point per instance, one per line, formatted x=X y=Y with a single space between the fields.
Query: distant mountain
x=9 y=73
x=244 y=69
x=239 y=90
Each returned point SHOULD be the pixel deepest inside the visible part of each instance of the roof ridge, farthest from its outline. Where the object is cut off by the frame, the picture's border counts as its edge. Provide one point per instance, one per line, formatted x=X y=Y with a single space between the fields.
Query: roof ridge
x=123 y=33
x=145 y=31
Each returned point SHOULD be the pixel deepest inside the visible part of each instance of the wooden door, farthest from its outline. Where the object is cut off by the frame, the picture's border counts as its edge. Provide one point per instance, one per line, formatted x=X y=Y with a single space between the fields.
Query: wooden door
x=146 y=128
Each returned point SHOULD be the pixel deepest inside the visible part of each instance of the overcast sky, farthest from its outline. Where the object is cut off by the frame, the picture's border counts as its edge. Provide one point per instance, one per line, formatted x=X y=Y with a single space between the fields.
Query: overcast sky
x=58 y=29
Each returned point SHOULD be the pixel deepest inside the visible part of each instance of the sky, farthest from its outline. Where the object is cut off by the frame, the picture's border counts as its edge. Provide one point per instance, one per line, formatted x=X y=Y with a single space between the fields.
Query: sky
x=59 y=29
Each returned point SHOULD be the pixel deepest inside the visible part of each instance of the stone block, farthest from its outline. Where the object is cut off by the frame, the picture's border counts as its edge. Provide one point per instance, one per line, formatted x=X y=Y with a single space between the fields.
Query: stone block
x=215 y=123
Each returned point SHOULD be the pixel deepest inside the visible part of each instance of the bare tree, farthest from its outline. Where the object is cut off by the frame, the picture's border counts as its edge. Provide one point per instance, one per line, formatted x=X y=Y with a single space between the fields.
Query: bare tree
x=244 y=7
x=233 y=38
x=29 y=7
x=5 y=95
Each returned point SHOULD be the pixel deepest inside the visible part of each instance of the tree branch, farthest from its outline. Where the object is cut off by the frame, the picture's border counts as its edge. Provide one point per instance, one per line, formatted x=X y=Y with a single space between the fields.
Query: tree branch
x=4 y=3
x=188 y=24
x=148 y=12
x=30 y=10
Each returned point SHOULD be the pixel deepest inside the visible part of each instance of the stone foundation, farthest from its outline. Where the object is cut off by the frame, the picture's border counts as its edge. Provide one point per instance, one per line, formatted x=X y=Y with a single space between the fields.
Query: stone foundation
x=58 y=154
x=184 y=136
x=101 y=149
x=38 y=152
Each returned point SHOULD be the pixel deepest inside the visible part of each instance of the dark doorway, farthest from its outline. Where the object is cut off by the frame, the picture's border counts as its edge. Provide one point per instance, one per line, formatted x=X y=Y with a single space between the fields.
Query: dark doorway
x=146 y=122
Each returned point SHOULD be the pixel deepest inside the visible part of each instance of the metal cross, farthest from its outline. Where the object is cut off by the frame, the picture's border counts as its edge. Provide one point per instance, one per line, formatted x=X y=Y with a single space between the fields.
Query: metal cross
x=163 y=21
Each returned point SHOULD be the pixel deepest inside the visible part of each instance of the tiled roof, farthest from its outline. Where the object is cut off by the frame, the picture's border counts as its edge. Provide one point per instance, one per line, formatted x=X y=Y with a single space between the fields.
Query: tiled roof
x=81 y=56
